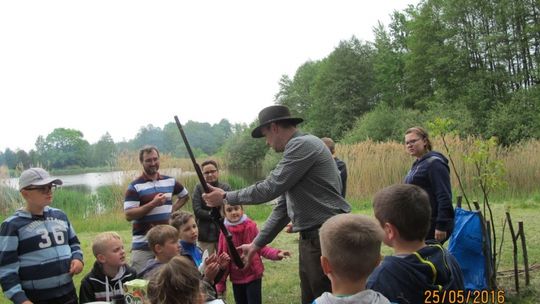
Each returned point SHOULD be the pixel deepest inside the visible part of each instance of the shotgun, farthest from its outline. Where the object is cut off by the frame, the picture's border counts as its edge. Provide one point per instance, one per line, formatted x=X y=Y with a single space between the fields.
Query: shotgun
x=216 y=215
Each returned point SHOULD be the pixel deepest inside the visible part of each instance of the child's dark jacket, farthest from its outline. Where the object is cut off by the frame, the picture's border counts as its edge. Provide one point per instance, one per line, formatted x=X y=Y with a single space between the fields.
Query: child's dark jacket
x=96 y=286
x=404 y=279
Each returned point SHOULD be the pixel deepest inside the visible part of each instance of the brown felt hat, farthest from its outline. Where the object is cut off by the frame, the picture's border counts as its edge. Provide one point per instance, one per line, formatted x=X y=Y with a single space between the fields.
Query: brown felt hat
x=272 y=114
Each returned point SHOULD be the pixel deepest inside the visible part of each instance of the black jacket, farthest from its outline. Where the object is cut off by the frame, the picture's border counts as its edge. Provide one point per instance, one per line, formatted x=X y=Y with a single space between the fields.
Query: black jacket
x=431 y=173
x=96 y=286
x=342 y=168
x=404 y=279
x=208 y=229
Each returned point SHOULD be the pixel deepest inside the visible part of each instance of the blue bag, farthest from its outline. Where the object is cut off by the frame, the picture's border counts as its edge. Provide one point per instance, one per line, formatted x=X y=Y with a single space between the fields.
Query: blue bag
x=471 y=248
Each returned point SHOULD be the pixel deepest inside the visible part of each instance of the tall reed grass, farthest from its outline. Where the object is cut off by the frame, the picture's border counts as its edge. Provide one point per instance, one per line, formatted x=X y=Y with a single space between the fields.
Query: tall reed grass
x=372 y=166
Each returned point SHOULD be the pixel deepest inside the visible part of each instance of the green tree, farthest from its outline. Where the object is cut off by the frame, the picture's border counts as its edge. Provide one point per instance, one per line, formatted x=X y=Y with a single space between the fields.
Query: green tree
x=383 y=123
x=63 y=148
x=148 y=135
x=297 y=94
x=104 y=151
x=10 y=158
x=23 y=159
x=344 y=89
x=243 y=151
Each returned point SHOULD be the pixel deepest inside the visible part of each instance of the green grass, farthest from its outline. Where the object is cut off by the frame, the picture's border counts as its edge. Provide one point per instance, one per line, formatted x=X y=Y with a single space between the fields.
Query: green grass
x=281 y=282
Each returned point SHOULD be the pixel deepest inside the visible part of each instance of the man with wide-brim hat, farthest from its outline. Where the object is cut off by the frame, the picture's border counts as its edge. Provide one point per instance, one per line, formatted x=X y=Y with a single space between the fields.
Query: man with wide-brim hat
x=307 y=186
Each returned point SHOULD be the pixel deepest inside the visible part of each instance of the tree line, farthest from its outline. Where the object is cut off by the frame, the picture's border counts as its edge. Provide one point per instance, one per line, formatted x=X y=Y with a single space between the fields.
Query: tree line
x=66 y=148
x=475 y=62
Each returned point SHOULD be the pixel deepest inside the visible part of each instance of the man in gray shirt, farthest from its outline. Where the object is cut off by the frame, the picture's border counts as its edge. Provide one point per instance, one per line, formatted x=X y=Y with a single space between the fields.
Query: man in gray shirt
x=308 y=185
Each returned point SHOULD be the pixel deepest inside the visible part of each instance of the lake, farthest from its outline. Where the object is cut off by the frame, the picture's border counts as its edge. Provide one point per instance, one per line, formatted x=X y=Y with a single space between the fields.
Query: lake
x=90 y=182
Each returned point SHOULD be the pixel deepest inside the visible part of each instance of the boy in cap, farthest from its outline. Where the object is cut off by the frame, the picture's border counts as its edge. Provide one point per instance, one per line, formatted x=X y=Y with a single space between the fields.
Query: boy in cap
x=39 y=251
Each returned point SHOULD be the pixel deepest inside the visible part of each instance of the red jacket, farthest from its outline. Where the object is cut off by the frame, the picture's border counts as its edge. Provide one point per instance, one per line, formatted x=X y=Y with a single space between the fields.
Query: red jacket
x=244 y=233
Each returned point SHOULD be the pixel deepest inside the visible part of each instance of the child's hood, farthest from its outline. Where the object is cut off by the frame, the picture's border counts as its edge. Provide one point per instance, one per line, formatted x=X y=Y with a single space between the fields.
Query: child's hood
x=428 y=268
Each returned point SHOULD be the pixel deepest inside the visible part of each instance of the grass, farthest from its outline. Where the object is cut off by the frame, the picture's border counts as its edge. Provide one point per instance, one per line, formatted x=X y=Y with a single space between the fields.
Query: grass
x=281 y=281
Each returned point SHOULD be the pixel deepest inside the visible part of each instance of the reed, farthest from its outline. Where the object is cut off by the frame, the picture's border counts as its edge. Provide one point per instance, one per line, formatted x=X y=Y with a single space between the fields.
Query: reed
x=375 y=165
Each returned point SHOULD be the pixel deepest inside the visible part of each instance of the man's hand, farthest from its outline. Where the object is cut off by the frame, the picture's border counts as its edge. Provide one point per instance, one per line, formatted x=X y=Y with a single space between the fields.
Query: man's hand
x=158 y=200
x=440 y=235
x=288 y=228
x=215 y=197
x=76 y=267
x=283 y=254
x=248 y=251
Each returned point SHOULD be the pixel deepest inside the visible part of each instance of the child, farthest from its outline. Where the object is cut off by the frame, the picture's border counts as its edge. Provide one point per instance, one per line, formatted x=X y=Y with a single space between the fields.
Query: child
x=188 y=232
x=163 y=241
x=212 y=269
x=104 y=282
x=177 y=282
x=39 y=250
x=404 y=213
x=246 y=282
x=350 y=250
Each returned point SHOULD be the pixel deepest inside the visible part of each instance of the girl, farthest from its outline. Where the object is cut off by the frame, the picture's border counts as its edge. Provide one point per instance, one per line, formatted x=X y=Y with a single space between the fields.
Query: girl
x=246 y=282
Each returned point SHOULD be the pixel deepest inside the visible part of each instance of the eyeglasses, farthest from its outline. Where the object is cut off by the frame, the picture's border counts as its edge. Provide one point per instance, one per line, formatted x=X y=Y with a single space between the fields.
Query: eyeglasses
x=210 y=172
x=43 y=189
x=412 y=141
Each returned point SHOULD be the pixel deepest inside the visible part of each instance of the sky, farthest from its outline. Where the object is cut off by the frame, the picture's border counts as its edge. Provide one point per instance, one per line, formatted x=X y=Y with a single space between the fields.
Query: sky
x=115 y=66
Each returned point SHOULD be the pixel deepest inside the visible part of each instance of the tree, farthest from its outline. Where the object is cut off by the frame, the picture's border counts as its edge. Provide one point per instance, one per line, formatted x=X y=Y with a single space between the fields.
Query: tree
x=243 y=151
x=63 y=148
x=296 y=94
x=148 y=135
x=10 y=158
x=344 y=89
x=23 y=159
x=104 y=151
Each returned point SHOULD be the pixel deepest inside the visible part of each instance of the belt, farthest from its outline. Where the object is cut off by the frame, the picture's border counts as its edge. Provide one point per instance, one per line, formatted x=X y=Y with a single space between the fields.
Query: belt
x=309 y=234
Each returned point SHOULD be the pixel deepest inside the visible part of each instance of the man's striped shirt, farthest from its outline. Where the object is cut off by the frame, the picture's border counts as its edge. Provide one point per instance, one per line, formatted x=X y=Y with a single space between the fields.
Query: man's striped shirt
x=140 y=192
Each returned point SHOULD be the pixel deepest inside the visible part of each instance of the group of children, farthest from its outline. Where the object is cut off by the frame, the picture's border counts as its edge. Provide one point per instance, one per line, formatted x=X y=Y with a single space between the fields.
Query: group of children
x=350 y=247
x=39 y=254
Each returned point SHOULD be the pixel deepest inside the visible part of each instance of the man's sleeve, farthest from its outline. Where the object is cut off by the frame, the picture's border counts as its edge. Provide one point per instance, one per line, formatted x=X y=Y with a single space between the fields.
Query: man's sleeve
x=131 y=199
x=179 y=189
x=297 y=160
x=277 y=220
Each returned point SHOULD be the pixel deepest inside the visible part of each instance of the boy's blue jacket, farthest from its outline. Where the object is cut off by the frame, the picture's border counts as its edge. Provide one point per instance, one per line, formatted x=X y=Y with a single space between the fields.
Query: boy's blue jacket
x=405 y=279
x=431 y=173
x=36 y=254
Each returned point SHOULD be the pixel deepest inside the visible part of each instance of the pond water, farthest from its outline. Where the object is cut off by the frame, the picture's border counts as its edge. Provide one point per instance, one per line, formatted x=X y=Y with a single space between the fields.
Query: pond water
x=90 y=182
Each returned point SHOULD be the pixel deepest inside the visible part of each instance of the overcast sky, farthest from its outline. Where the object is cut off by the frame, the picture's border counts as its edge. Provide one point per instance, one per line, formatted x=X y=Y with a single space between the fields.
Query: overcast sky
x=114 y=66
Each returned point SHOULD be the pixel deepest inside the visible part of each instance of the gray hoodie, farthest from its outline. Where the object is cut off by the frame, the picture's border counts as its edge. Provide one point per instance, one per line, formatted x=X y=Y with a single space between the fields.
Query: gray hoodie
x=363 y=297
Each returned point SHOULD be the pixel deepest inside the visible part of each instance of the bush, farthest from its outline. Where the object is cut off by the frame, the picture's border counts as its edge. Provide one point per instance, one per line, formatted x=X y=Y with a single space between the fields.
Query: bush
x=383 y=123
